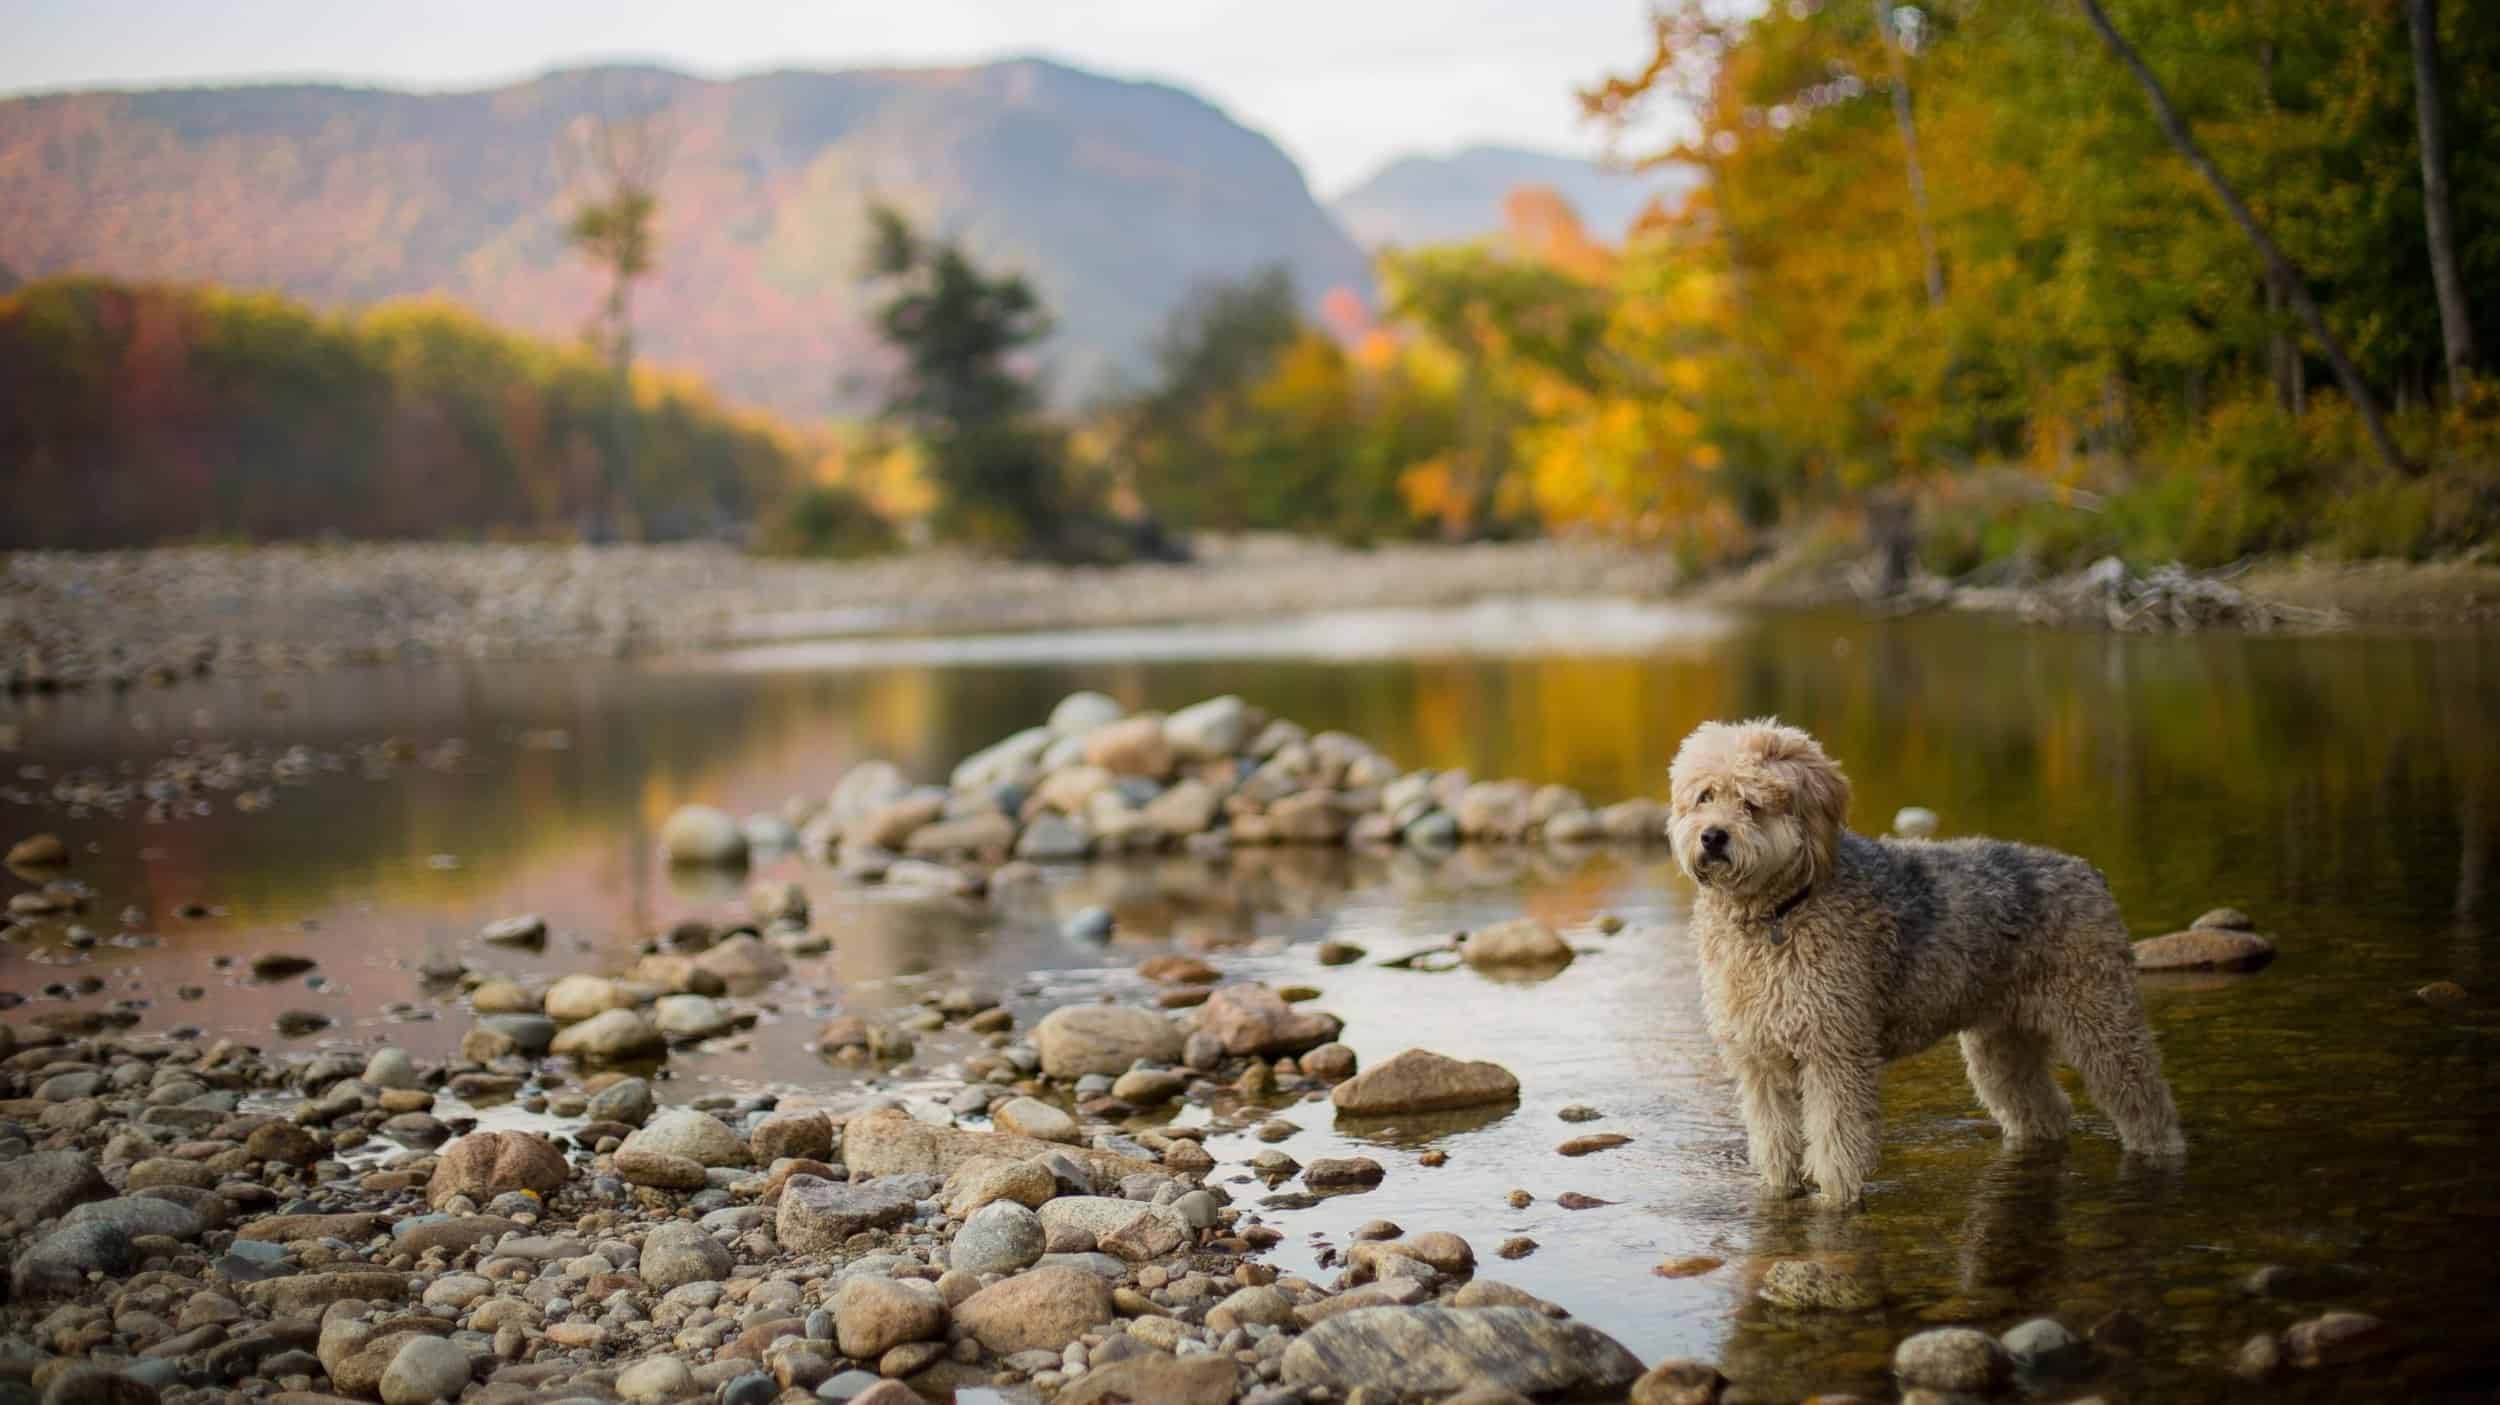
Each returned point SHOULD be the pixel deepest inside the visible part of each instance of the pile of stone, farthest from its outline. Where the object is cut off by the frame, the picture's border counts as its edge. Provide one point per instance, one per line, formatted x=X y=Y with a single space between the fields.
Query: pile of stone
x=1096 y=780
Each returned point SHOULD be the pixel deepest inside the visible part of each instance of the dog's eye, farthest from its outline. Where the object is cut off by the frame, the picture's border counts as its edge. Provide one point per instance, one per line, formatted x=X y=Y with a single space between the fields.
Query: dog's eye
x=1705 y=797
x=1752 y=811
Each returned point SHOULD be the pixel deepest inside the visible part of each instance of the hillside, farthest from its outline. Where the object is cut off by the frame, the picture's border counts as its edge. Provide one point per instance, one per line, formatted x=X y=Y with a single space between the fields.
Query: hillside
x=1418 y=200
x=1113 y=196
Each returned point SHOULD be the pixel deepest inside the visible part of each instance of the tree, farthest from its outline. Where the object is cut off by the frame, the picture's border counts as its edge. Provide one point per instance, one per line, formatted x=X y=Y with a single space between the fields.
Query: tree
x=1887 y=33
x=958 y=331
x=623 y=160
x=2456 y=323
x=2280 y=267
x=1182 y=435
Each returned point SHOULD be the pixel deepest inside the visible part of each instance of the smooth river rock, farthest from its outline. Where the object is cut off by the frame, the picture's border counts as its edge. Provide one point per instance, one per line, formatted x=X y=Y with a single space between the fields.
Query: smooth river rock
x=1439 y=1350
x=1422 y=1081
x=1075 y=1040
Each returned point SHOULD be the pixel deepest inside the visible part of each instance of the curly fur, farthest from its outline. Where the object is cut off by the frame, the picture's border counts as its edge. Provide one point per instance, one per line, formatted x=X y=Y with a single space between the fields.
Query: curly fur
x=1893 y=945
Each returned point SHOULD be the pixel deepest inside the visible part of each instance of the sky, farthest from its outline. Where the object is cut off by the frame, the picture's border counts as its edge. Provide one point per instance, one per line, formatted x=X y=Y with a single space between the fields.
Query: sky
x=1342 y=85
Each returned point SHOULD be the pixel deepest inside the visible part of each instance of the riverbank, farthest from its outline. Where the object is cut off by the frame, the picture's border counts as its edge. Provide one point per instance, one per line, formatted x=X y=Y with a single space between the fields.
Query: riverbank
x=120 y=618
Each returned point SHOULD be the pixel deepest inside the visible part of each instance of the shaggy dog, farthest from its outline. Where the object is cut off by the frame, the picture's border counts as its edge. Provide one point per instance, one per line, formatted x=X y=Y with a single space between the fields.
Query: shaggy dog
x=1826 y=954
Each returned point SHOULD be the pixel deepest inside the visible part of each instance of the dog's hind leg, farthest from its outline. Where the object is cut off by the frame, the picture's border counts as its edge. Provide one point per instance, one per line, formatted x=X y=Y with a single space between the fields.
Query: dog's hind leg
x=2009 y=1069
x=1775 y=1139
x=2102 y=1033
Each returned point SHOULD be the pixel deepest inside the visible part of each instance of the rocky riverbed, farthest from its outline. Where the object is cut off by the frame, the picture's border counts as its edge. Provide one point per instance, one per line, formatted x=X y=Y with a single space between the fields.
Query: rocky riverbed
x=1035 y=1215
x=153 y=617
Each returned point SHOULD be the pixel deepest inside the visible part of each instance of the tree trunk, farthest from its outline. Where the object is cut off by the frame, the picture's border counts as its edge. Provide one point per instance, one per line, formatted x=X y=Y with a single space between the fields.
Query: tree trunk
x=1901 y=118
x=2456 y=326
x=2294 y=286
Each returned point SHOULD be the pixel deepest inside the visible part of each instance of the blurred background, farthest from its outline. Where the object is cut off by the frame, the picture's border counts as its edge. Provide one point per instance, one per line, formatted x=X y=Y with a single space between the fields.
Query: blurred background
x=1080 y=280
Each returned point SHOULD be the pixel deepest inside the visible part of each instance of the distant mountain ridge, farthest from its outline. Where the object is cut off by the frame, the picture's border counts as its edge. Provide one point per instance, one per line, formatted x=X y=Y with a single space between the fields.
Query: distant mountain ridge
x=1417 y=200
x=1114 y=196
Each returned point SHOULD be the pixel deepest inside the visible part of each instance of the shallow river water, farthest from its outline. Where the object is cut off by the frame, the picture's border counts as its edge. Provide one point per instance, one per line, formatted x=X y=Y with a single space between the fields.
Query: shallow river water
x=2345 y=792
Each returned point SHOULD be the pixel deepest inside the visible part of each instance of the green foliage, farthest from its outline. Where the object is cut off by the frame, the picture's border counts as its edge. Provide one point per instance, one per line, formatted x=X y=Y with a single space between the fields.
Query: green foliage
x=827 y=520
x=156 y=413
x=999 y=467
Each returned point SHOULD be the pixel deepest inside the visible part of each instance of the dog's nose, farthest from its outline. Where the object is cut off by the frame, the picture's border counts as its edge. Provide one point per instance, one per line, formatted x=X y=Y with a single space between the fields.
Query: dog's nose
x=1714 y=840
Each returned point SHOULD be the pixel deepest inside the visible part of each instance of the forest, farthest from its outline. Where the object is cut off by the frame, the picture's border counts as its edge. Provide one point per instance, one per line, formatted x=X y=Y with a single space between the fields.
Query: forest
x=1945 y=266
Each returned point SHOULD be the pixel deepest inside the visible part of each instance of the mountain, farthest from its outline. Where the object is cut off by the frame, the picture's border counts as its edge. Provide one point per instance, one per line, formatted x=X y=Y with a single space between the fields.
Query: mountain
x=1447 y=199
x=1115 y=197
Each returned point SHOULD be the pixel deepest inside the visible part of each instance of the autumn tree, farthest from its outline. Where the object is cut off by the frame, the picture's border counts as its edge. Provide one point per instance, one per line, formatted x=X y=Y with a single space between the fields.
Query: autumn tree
x=2456 y=318
x=958 y=332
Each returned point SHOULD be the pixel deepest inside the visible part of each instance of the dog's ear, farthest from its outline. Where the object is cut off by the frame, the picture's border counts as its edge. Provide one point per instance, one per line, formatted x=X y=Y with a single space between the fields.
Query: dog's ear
x=1817 y=788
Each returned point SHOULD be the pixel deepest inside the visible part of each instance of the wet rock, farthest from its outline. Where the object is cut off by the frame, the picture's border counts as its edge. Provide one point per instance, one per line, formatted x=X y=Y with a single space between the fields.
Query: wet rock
x=1437 y=1350
x=425 y=1369
x=702 y=835
x=38 y=851
x=1041 y=1308
x=1915 y=822
x=1518 y=946
x=1252 y=1019
x=1000 y=1237
x=1051 y=837
x=1952 y=1358
x=526 y=929
x=2204 y=949
x=817 y=1215
x=1090 y=925
x=483 y=1165
x=1343 y=1173
x=41 y=1187
x=1594 y=1142
x=1149 y=1087
x=295 y=1024
x=2043 y=1346
x=743 y=963
x=1419 y=1080
x=1821 y=1285
x=2259 y=1357
x=1076 y=1040
x=2336 y=1338
x=1155 y=1376
x=1173 y=967
x=696 y=1136
x=278 y=965
x=613 y=1036
x=2443 y=995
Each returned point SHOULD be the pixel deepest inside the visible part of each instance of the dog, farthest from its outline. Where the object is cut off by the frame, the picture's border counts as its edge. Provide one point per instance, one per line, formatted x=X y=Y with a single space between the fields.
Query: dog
x=1826 y=954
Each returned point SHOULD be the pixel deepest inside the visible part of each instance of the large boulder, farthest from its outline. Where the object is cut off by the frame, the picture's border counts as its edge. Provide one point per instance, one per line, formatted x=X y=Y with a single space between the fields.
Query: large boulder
x=1422 y=1081
x=1437 y=1351
x=1076 y=1040
x=1252 y=1019
x=483 y=1165
x=1039 y=1309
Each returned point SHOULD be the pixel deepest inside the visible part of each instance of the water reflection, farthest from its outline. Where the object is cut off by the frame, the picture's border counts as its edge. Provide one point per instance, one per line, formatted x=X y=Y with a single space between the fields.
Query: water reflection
x=2341 y=790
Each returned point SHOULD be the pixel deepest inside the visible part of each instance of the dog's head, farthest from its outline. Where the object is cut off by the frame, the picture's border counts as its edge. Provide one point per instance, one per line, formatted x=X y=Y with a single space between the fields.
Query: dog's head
x=1756 y=808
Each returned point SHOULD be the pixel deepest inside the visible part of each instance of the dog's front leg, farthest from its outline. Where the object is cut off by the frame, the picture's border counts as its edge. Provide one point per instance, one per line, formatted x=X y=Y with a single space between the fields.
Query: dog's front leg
x=1775 y=1140
x=1844 y=1124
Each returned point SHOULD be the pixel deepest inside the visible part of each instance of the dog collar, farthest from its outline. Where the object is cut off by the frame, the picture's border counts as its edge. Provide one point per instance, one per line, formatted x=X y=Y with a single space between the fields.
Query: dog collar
x=1779 y=915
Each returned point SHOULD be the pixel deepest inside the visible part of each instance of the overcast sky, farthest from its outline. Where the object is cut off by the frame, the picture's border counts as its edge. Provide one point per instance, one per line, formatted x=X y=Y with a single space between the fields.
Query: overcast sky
x=1342 y=84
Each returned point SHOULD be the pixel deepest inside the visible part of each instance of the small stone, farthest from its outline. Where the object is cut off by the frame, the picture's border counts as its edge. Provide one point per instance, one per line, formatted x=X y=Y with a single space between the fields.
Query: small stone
x=1031 y=1117
x=2204 y=949
x=702 y=835
x=483 y=1165
x=1951 y=1358
x=678 y=1253
x=38 y=851
x=1343 y=1173
x=657 y=1378
x=1831 y=1285
x=1045 y=1307
x=1597 y=1141
x=817 y=1215
x=874 y=1315
x=2443 y=995
x=1000 y=1237
x=627 y=1100
x=425 y=1369
x=1520 y=946
x=613 y=1035
x=1679 y=1383
x=2336 y=1338
x=2043 y=1346
x=1915 y=822
x=527 y=929
x=1076 y=1040
x=1421 y=1081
